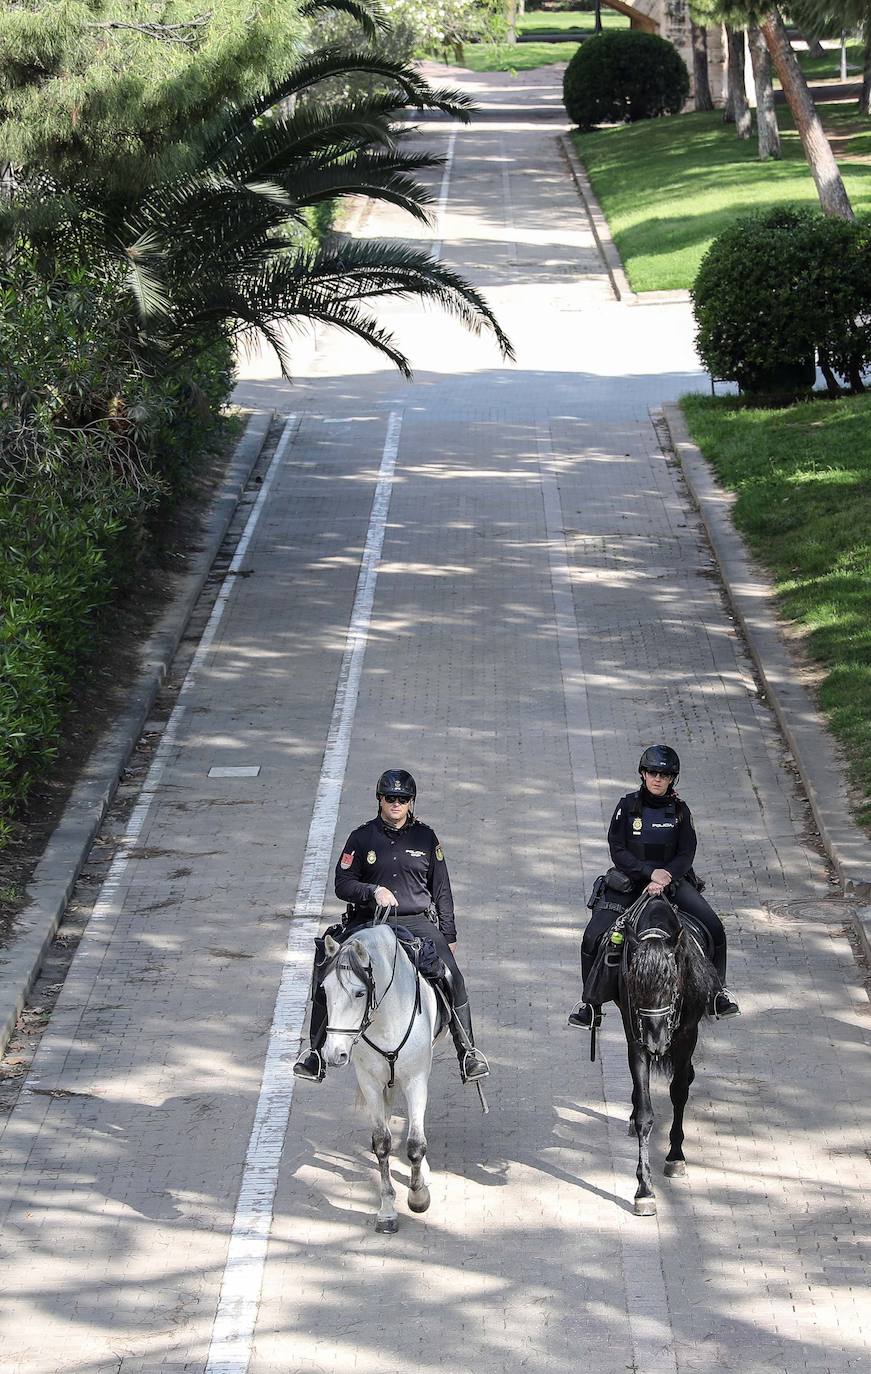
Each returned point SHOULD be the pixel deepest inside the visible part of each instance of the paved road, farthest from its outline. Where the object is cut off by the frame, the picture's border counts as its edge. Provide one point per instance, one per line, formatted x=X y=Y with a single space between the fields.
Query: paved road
x=544 y=606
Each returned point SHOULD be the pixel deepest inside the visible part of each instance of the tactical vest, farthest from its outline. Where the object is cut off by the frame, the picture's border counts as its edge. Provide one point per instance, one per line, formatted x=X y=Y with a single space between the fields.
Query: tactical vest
x=653 y=830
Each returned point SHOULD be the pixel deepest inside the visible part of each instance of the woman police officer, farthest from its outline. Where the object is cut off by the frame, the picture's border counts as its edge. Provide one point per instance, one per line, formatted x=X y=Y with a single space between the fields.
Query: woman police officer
x=652 y=842
x=395 y=862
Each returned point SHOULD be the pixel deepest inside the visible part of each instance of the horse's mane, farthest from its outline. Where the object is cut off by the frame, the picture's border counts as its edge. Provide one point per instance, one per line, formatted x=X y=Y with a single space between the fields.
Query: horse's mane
x=348 y=962
x=658 y=971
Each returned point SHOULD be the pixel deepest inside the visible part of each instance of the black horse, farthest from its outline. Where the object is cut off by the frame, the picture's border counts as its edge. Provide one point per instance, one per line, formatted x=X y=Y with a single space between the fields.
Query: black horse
x=666 y=983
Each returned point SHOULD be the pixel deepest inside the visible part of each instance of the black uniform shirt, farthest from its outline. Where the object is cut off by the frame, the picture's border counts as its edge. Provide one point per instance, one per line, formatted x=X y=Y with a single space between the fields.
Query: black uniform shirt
x=409 y=861
x=661 y=840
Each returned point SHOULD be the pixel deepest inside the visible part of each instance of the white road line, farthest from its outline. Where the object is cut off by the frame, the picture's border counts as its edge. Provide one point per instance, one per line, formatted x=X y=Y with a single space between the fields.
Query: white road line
x=646 y=1301
x=443 y=196
x=233 y=1331
x=107 y=905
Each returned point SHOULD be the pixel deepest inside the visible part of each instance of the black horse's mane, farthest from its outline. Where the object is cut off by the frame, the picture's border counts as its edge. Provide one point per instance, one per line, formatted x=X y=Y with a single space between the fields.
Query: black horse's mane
x=662 y=970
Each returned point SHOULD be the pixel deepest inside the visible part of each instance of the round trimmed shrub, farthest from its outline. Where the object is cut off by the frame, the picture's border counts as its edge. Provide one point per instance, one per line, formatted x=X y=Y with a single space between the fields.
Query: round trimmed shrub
x=623 y=76
x=775 y=289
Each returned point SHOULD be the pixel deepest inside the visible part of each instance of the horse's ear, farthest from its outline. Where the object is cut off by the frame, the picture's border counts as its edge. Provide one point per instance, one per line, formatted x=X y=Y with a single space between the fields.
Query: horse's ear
x=331 y=946
x=361 y=951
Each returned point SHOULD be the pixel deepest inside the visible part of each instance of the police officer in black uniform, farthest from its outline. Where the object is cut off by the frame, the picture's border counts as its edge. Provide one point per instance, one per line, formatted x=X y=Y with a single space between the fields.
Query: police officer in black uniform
x=652 y=841
x=396 y=862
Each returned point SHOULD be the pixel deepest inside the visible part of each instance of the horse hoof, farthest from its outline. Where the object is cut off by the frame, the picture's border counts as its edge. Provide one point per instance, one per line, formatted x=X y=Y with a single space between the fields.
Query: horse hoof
x=387 y=1225
x=645 y=1206
x=675 y=1168
x=418 y=1201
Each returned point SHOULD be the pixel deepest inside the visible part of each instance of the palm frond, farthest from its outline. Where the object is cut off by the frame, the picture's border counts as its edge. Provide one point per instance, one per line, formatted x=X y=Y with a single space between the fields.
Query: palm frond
x=370 y=18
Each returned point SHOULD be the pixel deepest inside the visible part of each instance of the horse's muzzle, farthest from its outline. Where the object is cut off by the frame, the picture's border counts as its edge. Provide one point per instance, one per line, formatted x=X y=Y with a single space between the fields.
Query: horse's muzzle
x=336 y=1056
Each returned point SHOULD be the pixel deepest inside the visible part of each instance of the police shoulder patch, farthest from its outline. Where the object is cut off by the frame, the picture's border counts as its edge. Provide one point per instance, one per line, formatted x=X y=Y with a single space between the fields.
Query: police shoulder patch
x=440 y=853
x=371 y=856
x=347 y=859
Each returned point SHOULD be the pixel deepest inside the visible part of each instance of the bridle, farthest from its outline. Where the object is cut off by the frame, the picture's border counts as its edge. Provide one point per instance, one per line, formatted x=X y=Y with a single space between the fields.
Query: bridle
x=637 y=1016
x=373 y=1002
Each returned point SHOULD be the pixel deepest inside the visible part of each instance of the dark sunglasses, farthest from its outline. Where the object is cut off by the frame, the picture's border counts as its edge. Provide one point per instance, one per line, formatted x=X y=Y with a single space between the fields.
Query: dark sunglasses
x=658 y=773
x=392 y=797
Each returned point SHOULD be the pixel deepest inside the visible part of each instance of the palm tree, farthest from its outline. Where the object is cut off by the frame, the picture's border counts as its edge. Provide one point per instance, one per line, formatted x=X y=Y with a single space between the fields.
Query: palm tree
x=223 y=249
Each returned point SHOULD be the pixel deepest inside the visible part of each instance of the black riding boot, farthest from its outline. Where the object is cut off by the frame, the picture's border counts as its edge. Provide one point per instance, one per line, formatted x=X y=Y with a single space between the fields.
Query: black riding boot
x=310 y=1063
x=473 y=1064
x=722 y=1003
x=584 y=1014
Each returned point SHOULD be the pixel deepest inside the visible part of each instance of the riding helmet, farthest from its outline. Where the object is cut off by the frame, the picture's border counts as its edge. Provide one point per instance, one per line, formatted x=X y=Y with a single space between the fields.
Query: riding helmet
x=661 y=757
x=396 y=782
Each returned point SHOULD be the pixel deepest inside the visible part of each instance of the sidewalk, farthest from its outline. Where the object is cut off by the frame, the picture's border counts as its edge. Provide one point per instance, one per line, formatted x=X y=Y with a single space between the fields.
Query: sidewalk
x=545 y=606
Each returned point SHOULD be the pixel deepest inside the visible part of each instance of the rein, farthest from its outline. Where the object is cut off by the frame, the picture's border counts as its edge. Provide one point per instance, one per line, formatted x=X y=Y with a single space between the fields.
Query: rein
x=638 y=1015
x=372 y=1005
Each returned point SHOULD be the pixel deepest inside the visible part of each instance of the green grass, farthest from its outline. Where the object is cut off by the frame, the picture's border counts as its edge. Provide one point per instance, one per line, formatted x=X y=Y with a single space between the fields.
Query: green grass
x=583 y=20
x=515 y=57
x=803 y=481
x=669 y=186
x=829 y=65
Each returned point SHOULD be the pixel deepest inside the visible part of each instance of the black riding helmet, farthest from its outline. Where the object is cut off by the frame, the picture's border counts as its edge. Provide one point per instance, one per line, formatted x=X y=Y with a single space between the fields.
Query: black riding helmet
x=396 y=782
x=662 y=758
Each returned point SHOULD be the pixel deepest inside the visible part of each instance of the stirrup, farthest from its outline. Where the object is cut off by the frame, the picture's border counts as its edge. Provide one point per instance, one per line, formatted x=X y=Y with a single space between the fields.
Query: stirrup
x=478 y=1067
x=310 y=1065
x=585 y=1016
x=723 y=1004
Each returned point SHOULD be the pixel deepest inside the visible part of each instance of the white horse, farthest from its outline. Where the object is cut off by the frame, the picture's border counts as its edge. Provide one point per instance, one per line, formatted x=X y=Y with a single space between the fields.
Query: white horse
x=384 y=1014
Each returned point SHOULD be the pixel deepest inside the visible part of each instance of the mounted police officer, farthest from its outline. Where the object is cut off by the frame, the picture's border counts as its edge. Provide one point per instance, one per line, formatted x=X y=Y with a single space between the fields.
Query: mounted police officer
x=652 y=844
x=395 y=862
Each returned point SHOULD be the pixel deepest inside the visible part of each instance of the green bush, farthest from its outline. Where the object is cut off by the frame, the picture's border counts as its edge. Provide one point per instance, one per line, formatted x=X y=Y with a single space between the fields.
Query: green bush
x=93 y=444
x=775 y=290
x=624 y=76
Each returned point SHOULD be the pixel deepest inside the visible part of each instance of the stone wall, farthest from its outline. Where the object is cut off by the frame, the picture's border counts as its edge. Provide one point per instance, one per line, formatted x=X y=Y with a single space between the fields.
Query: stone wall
x=671 y=19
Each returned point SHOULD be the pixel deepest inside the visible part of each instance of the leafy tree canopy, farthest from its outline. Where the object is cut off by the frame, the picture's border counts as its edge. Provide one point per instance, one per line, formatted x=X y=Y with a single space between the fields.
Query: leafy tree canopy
x=115 y=86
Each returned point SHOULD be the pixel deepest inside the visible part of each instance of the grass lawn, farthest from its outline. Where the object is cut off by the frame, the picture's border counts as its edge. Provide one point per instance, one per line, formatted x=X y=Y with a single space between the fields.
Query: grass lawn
x=543 y=22
x=669 y=186
x=515 y=57
x=803 y=481
x=829 y=65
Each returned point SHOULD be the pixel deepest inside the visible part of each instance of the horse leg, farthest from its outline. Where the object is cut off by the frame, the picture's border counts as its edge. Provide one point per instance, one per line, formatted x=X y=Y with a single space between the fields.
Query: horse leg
x=416 y=1096
x=679 y=1090
x=642 y=1115
x=376 y=1104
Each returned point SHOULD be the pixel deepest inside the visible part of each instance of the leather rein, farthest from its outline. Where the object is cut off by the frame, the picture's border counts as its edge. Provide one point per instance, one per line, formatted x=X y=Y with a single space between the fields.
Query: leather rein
x=373 y=1002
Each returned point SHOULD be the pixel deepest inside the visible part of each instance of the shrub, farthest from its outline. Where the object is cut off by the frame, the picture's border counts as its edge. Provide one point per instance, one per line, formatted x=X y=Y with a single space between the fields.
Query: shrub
x=624 y=76
x=92 y=446
x=775 y=289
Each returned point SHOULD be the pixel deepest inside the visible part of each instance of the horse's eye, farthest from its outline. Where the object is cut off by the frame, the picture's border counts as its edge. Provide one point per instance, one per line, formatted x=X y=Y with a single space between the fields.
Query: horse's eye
x=359 y=994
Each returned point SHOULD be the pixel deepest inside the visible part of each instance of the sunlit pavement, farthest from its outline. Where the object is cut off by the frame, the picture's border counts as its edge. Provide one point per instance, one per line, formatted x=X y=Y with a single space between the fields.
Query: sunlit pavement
x=545 y=607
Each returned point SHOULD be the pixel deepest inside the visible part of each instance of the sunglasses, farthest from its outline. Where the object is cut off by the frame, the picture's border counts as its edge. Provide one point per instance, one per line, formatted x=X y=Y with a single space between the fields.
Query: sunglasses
x=657 y=773
x=392 y=797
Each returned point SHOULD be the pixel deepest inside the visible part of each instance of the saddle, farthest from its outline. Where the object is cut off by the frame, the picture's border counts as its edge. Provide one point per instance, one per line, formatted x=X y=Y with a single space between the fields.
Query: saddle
x=602 y=981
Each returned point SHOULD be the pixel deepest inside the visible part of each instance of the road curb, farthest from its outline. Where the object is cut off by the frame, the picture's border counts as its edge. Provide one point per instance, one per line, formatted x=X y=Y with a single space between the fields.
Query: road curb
x=598 y=223
x=753 y=601
x=66 y=852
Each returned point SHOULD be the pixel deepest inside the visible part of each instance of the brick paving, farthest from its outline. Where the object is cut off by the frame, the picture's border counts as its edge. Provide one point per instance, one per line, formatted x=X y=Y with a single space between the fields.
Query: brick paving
x=545 y=607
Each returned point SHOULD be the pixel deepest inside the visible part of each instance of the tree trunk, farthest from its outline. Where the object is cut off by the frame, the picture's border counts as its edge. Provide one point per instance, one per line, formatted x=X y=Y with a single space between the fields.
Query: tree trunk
x=865 y=97
x=821 y=160
x=701 y=82
x=814 y=46
x=736 y=98
x=767 y=131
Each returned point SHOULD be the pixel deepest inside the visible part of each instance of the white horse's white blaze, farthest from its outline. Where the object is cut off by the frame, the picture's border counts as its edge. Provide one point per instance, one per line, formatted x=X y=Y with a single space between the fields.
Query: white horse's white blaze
x=393 y=1020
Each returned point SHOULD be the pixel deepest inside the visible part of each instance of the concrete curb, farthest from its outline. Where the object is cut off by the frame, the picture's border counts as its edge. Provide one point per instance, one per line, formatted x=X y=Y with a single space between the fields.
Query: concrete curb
x=752 y=599
x=607 y=247
x=601 y=232
x=66 y=853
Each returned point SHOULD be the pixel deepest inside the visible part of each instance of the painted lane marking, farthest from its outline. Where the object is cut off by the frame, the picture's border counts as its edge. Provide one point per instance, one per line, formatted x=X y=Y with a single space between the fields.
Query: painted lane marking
x=443 y=196
x=109 y=902
x=236 y=1316
x=650 y=1328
